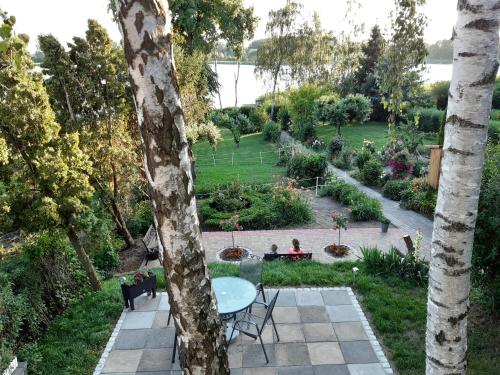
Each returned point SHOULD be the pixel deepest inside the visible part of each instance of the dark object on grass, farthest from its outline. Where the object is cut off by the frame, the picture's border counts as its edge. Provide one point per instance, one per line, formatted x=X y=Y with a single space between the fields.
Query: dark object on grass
x=130 y=292
x=291 y=257
x=409 y=244
x=337 y=250
x=385 y=224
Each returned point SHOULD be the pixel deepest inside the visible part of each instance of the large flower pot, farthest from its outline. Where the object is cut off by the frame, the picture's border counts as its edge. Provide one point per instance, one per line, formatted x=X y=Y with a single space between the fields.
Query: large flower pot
x=385 y=227
x=230 y=254
x=132 y=291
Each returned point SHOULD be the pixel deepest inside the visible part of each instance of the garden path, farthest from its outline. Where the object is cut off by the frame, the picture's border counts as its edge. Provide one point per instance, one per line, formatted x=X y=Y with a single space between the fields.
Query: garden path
x=405 y=220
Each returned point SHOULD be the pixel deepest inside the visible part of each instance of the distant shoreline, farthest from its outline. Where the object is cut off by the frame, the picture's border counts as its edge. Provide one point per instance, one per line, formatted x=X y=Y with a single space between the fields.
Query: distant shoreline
x=232 y=62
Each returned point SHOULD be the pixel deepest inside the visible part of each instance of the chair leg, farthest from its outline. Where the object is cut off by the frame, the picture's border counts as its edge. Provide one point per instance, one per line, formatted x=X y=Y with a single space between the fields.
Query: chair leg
x=263 y=348
x=169 y=316
x=275 y=330
x=174 y=348
x=263 y=293
x=231 y=337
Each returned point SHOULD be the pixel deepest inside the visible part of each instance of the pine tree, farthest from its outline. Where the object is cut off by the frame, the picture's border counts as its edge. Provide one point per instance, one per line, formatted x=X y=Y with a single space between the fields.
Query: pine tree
x=373 y=51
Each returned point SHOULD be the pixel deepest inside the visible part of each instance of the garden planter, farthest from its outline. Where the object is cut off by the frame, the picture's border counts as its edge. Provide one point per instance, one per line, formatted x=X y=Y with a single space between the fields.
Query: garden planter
x=233 y=254
x=385 y=227
x=132 y=291
x=337 y=251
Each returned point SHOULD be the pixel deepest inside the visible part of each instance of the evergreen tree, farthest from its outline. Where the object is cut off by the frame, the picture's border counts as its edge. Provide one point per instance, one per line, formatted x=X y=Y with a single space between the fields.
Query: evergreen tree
x=372 y=54
x=45 y=171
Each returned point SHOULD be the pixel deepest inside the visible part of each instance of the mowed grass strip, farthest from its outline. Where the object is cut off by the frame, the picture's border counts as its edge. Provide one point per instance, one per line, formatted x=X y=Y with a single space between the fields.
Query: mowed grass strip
x=232 y=163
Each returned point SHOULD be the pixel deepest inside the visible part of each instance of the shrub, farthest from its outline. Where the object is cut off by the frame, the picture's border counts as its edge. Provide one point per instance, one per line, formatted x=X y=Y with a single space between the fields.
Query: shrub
x=335 y=147
x=439 y=91
x=379 y=112
x=242 y=122
x=303 y=166
x=371 y=172
x=358 y=107
x=221 y=119
x=420 y=197
x=141 y=219
x=401 y=166
x=393 y=188
x=324 y=105
x=271 y=131
x=409 y=267
x=495 y=103
x=429 y=119
x=257 y=117
x=368 y=146
x=363 y=157
x=283 y=118
x=363 y=207
x=344 y=161
x=107 y=260
x=302 y=110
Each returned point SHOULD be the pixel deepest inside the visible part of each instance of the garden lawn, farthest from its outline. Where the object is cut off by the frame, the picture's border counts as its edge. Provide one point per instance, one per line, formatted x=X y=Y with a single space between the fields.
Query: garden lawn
x=245 y=166
x=356 y=133
x=396 y=308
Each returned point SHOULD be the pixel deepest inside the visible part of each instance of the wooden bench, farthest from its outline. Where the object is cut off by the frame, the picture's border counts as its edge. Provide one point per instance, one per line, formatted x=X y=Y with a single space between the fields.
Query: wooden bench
x=288 y=257
x=150 y=240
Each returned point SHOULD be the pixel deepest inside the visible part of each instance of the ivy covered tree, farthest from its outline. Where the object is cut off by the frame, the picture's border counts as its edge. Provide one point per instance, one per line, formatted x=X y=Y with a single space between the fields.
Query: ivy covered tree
x=399 y=74
x=46 y=172
x=89 y=91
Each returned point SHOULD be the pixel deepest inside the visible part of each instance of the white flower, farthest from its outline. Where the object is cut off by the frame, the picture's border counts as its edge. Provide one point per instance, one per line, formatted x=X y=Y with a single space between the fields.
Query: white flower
x=355 y=270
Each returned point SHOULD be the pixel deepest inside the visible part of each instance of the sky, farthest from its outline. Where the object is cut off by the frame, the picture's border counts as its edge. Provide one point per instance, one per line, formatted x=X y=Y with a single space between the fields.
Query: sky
x=67 y=18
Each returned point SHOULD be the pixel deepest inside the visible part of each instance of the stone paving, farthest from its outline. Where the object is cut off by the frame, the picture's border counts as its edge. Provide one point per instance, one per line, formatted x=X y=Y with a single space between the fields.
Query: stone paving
x=322 y=331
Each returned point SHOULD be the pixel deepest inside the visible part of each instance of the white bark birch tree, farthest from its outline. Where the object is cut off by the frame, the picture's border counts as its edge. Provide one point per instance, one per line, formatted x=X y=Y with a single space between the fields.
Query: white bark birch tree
x=475 y=67
x=147 y=37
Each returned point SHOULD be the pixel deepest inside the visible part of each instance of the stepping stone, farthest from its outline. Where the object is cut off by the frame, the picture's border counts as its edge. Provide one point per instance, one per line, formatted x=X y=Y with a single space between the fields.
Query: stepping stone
x=286 y=315
x=350 y=331
x=129 y=339
x=286 y=298
x=319 y=332
x=138 y=320
x=253 y=356
x=235 y=354
x=366 y=369
x=313 y=314
x=155 y=360
x=260 y=371
x=164 y=305
x=147 y=303
x=122 y=361
x=336 y=297
x=331 y=370
x=358 y=352
x=295 y=354
x=295 y=370
x=161 y=319
x=342 y=313
x=289 y=333
x=309 y=298
x=160 y=338
x=325 y=353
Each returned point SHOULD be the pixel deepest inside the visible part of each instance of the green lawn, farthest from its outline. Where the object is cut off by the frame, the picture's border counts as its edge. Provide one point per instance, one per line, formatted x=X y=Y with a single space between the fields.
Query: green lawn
x=356 y=133
x=397 y=309
x=232 y=163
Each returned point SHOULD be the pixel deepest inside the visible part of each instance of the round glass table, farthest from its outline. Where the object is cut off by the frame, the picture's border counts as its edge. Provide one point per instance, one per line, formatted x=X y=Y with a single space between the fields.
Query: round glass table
x=233 y=294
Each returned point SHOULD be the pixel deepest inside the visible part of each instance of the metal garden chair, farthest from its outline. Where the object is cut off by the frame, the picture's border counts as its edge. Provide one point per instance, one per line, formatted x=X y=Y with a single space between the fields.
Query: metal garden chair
x=251 y=270
x=247 y=323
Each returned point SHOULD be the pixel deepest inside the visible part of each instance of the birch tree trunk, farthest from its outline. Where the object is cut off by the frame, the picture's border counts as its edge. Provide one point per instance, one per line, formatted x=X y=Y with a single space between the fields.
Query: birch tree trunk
x=236 y=79
x=147 y=36
x=474 y=70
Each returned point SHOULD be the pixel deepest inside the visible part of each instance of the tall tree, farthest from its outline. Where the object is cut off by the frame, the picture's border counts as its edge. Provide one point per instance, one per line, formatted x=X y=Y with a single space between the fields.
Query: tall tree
x=46 y=175
x=147 y=35
x=273 y=54
x=475 y=66
x=373 y=51
x=88 y=90
x=399 y=75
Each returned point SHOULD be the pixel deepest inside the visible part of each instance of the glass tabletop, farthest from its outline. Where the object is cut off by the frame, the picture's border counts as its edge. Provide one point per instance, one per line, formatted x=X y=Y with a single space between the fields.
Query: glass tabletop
x=233 y=294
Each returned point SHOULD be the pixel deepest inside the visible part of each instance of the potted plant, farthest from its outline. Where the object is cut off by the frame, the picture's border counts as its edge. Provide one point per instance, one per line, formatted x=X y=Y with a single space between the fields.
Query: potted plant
x=142 y=282
x=340 y=221
x=385 y=224
x=234 y=253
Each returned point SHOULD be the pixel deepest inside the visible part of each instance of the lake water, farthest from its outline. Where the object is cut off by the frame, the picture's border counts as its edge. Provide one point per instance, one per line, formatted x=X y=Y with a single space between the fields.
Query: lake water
x=251 y=86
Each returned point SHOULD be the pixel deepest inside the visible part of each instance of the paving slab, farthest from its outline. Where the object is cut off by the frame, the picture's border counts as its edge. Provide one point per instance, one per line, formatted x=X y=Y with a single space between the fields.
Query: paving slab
x=286 y=315
x=342 y=313
x=318 y=332
x=289 y=333
x=309 y=298
x=366 y=369
x=358 y=352
x=331 y=370
x=156 y=360
x=292 y=354
x=336 y=297
x=160 y=338
x=161 y=319
x=325 y=353
x=139 y=320
x=350 y=331
x=129 y=339
x=122 y=361
x=253 y=356
x=313 y=314
x=286 y=298
x=295 y=370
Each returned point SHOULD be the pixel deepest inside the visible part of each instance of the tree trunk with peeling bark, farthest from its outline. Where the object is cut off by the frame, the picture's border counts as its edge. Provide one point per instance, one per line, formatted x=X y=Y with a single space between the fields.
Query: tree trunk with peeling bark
x=474 y=71
x=147 y=35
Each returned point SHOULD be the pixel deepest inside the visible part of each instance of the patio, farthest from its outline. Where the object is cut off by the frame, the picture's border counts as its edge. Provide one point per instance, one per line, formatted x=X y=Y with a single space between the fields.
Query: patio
x=322 y=331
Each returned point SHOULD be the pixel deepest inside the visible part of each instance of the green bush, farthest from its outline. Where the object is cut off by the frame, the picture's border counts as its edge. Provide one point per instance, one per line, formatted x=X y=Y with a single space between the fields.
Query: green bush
x=393 y=188
x=271 y=131
x=439 y=91
x=335 y=147
x=495 y=103
x=344 y=161
x=303 y=166
x=392 y=263
x=283 y=118
x=362 y=158
x=264 y=207
x=429 y=119
x=242 y=122
x=302 y=110
x=107 y=259
x=141 y=219
x=363 y=207
x=358 y=107
x=324 y=106
x=371 y=172
x=257 y=116
x=420 y=197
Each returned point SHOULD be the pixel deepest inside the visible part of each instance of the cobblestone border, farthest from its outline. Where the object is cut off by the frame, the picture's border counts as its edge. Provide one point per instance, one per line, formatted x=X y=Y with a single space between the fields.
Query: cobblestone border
x=109 y=345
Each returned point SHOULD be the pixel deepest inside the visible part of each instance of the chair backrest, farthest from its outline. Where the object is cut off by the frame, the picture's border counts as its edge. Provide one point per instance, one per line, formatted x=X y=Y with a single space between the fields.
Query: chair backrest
x=251 y=269
x=269 y=310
